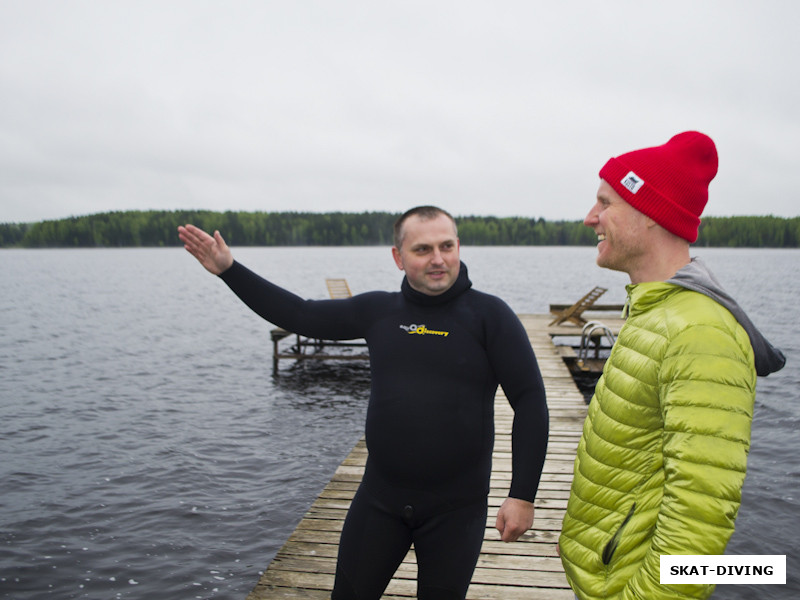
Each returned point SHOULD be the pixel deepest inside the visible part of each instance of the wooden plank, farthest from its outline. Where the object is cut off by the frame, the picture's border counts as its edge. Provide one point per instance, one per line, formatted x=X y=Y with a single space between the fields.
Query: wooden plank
x=528 y=569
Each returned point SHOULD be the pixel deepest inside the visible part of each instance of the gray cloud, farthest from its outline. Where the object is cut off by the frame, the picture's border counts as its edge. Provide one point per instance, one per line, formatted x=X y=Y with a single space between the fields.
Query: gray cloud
x=505 y=108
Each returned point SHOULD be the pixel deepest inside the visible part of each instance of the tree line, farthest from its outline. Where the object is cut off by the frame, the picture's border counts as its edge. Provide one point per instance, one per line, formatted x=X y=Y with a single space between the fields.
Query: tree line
x=158 y=229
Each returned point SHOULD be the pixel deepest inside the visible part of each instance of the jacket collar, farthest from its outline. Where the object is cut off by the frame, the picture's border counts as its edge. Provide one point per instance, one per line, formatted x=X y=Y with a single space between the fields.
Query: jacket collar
x=696 y=276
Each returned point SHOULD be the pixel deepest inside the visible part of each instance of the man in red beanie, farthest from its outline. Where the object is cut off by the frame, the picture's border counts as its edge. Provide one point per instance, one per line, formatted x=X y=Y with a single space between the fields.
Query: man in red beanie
x=661 y=463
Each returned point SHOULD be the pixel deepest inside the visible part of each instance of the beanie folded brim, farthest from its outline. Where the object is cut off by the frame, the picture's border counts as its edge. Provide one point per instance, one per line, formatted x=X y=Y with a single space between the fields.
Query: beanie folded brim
x=651 y=202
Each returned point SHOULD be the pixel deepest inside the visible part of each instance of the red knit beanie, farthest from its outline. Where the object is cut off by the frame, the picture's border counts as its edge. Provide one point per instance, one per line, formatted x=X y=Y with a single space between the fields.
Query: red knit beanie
x=668 y=183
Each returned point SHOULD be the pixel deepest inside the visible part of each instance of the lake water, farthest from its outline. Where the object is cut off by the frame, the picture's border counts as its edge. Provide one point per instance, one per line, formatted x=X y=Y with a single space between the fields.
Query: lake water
x=149 y=451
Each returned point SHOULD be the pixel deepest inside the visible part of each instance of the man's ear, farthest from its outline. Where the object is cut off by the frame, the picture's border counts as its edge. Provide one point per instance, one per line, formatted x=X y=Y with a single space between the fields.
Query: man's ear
x=398 y=259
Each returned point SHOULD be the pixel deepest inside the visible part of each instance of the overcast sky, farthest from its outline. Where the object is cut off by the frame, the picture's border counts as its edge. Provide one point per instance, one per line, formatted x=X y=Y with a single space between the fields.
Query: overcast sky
x=487 y=108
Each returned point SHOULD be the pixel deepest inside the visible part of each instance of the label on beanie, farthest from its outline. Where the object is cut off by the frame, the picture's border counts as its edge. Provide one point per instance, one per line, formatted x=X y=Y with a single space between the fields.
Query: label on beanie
x=632 y=181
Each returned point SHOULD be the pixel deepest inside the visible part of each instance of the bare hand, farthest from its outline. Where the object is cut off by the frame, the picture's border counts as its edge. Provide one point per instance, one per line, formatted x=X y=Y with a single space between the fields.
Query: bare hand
x=514 y=518
x=211 y=252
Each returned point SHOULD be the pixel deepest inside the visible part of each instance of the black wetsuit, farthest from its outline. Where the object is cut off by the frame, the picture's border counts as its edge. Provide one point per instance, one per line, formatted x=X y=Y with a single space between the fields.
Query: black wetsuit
x=436 y=362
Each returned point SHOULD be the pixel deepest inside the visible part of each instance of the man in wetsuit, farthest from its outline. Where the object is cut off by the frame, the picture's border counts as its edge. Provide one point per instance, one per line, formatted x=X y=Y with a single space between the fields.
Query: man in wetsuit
x=438 y=350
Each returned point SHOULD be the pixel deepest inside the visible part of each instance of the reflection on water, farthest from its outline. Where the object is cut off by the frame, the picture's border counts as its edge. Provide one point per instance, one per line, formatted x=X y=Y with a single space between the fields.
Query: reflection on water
x=154 y=453
x=329 y=384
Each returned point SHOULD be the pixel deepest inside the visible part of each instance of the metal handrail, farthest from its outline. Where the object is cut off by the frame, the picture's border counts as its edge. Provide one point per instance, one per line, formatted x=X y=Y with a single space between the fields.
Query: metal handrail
x=588 y=334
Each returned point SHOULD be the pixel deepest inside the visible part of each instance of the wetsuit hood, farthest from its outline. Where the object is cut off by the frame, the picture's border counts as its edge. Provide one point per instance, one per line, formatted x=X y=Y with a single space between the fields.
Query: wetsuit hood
x=461 y=285
x=697 y=277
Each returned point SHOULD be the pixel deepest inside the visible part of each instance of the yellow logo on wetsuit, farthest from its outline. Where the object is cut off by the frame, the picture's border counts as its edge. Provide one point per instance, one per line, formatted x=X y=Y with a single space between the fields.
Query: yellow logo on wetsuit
x=422 y=330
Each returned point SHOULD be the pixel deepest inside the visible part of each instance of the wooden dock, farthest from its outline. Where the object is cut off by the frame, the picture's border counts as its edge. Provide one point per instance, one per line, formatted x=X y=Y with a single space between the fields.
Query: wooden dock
x=527 y=569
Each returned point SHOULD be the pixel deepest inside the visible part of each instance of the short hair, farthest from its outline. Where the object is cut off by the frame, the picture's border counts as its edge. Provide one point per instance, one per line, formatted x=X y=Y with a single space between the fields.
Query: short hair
x=424 y=213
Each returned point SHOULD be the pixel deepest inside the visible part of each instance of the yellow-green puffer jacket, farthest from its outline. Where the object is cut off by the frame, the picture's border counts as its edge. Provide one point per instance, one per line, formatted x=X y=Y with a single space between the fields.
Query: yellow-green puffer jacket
x=660 y=466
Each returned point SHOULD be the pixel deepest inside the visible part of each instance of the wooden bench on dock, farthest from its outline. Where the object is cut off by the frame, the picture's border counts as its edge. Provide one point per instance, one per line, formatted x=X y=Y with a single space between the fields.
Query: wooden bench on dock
x=338 y=288
x=573 y=313
x=316 y=348
x=528 y=569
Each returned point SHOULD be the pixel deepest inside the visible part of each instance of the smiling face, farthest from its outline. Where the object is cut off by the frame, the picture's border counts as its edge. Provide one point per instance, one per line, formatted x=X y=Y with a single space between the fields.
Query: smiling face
x=622 y=233
x=429 y=254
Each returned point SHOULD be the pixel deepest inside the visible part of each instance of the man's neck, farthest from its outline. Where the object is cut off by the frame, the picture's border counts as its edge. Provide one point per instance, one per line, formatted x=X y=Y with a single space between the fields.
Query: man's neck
x=663 y=262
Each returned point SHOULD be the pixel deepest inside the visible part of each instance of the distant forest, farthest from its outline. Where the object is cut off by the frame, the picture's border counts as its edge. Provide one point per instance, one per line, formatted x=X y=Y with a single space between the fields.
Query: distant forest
x=158 y=229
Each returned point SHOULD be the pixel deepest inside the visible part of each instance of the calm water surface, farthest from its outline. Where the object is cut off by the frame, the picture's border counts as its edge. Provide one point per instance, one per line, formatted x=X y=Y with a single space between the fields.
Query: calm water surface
x=149 y=451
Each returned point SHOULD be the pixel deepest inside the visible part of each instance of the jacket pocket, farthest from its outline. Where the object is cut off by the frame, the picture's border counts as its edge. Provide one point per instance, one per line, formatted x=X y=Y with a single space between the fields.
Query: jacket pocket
x=611 y=546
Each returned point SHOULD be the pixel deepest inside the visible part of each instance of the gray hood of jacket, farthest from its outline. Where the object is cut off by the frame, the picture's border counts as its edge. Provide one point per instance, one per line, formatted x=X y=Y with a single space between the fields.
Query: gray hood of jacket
x=697 y=277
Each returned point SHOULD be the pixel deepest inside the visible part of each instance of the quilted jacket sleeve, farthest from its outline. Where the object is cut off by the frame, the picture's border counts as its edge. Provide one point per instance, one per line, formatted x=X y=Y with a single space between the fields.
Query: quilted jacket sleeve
x=706 y=391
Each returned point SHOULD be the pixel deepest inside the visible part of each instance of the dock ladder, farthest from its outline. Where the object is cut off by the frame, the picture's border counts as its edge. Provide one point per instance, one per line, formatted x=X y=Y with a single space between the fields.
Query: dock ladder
x=593 y=333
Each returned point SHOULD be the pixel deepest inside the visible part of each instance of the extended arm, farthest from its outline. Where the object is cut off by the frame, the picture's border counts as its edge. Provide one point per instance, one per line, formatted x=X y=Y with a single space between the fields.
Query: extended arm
x=327 y=319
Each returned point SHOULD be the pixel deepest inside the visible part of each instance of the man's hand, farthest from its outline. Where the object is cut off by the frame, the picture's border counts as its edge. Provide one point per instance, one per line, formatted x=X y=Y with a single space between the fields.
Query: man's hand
x=514 y=518
x=212 y=252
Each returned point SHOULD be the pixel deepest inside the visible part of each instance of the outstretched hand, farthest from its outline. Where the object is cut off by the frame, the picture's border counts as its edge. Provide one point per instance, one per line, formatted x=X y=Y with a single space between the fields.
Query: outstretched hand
x=514 y=518
x=211 y=252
